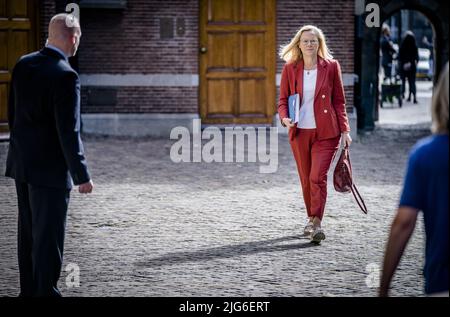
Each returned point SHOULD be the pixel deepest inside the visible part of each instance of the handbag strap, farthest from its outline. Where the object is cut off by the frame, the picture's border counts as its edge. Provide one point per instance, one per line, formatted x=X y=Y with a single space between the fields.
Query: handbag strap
x=359 y=199
x=354 y=189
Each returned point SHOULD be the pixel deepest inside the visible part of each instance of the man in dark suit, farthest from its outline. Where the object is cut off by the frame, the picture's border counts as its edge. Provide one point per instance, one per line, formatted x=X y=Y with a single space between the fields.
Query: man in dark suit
x=46 y=155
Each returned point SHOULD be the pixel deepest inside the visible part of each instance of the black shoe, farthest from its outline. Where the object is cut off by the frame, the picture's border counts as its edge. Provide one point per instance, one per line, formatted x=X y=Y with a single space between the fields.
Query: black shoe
x=415 y=101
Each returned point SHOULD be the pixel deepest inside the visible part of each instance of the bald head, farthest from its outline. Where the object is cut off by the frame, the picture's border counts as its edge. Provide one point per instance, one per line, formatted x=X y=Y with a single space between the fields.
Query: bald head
x=64 y=32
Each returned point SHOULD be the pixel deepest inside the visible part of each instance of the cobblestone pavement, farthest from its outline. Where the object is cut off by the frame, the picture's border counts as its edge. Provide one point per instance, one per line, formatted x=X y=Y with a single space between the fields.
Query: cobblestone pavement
x=156 y=228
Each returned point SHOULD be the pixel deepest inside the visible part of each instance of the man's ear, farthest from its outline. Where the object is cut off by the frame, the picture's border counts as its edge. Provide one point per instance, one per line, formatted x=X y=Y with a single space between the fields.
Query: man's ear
x=73 y=39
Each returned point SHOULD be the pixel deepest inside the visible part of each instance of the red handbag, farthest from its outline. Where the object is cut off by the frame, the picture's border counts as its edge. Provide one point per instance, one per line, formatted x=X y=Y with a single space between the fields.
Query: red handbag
x=342 y=178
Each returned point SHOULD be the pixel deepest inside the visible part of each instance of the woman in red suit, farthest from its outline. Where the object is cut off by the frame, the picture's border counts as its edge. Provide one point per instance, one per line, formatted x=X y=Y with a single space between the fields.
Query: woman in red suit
x=314 y=135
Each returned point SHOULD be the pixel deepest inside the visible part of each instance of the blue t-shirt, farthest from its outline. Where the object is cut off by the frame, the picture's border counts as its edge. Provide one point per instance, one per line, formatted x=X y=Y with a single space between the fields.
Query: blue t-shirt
x=426 y=189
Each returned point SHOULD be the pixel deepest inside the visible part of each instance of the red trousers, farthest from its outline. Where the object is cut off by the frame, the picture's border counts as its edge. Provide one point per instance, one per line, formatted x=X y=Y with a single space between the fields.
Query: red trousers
x=313 y=158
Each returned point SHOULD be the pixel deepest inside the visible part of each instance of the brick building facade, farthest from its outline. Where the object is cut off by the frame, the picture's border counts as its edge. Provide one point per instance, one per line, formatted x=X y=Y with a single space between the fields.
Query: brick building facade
x=142 y=62
x=137 y=80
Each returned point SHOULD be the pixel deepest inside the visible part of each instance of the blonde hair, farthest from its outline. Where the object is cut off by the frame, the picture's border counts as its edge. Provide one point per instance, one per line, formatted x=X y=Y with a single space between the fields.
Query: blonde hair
x=439 y=105
x=291 y=52
x=385 y=28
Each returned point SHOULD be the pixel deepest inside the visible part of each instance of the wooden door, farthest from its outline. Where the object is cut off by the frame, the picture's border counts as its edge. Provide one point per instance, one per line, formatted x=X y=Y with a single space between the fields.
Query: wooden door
x=237 y=61
x=18 y=36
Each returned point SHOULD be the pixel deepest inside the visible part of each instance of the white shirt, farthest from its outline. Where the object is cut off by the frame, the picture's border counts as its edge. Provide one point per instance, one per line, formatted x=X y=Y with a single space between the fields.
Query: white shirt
x=306 y=118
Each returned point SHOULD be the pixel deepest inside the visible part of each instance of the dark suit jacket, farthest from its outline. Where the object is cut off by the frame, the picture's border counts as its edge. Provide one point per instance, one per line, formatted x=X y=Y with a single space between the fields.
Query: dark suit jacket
x=45 y=147
x=329 y=99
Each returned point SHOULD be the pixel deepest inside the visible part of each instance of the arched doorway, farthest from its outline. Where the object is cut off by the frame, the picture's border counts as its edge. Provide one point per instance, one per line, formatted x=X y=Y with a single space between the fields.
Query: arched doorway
x=413 y=109
x=367 y=47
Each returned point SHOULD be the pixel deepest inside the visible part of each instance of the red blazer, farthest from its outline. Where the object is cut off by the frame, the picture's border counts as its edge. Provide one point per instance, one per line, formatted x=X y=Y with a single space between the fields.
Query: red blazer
x=329 y=99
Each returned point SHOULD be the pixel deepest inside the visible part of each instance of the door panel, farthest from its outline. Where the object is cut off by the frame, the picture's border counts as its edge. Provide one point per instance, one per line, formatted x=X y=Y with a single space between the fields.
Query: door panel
x=219 y=101
x=18 y=36
x=18 y=46
x=252 y=54
x=2 y=8
x=252 y=11
x=220 y=10
x=18 y=8
x=3 y=50
x=237 y=63
x=220 y=44
x=3 y=96
x=252 y=97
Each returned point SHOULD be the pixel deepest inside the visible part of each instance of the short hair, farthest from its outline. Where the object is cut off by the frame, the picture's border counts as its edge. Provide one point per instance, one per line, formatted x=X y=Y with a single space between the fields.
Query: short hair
x=439 y=104
x=385 y=28
x=63 y=24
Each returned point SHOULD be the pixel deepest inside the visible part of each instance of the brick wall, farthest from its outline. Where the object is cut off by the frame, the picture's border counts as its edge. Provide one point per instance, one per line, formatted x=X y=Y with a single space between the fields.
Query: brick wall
x=47 y=9
x=334 y=18
x=147 y=100
x=128 y=42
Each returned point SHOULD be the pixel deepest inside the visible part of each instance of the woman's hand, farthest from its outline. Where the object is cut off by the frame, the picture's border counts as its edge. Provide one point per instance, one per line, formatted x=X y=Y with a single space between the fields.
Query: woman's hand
x=288 y=123
x=346 y=138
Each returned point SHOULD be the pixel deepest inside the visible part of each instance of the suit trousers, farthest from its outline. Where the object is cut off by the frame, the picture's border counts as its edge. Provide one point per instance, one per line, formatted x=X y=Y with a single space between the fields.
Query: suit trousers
x=41 y=229
x=313 y=158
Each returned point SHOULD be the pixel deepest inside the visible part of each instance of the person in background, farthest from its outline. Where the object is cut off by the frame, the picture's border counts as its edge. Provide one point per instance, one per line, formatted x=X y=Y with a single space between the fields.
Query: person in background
x=387 y=51
x=408 y=58
x=426 y=189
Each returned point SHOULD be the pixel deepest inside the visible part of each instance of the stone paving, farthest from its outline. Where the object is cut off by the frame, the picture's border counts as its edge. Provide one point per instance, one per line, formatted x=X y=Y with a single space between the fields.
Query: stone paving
x=157 y=228
x=409 y=114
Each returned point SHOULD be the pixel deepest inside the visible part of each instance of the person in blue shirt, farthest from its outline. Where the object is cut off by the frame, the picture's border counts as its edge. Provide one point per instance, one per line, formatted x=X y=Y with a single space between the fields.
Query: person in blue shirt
x=425 y=189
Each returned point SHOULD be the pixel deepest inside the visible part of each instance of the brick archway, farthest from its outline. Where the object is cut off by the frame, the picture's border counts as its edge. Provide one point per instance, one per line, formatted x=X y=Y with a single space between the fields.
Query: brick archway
x=367 y=46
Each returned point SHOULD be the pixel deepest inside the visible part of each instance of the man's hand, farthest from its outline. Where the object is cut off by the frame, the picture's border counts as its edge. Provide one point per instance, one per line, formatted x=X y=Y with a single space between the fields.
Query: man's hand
x=288 y=123
x=86 y=188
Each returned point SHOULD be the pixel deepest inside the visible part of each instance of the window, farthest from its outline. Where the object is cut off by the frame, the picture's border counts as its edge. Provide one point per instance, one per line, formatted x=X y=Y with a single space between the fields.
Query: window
x=103 y=4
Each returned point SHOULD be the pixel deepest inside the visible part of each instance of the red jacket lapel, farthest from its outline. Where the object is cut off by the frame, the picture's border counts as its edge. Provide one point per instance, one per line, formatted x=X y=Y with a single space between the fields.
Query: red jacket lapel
x=321 y=75
x=299 y=77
